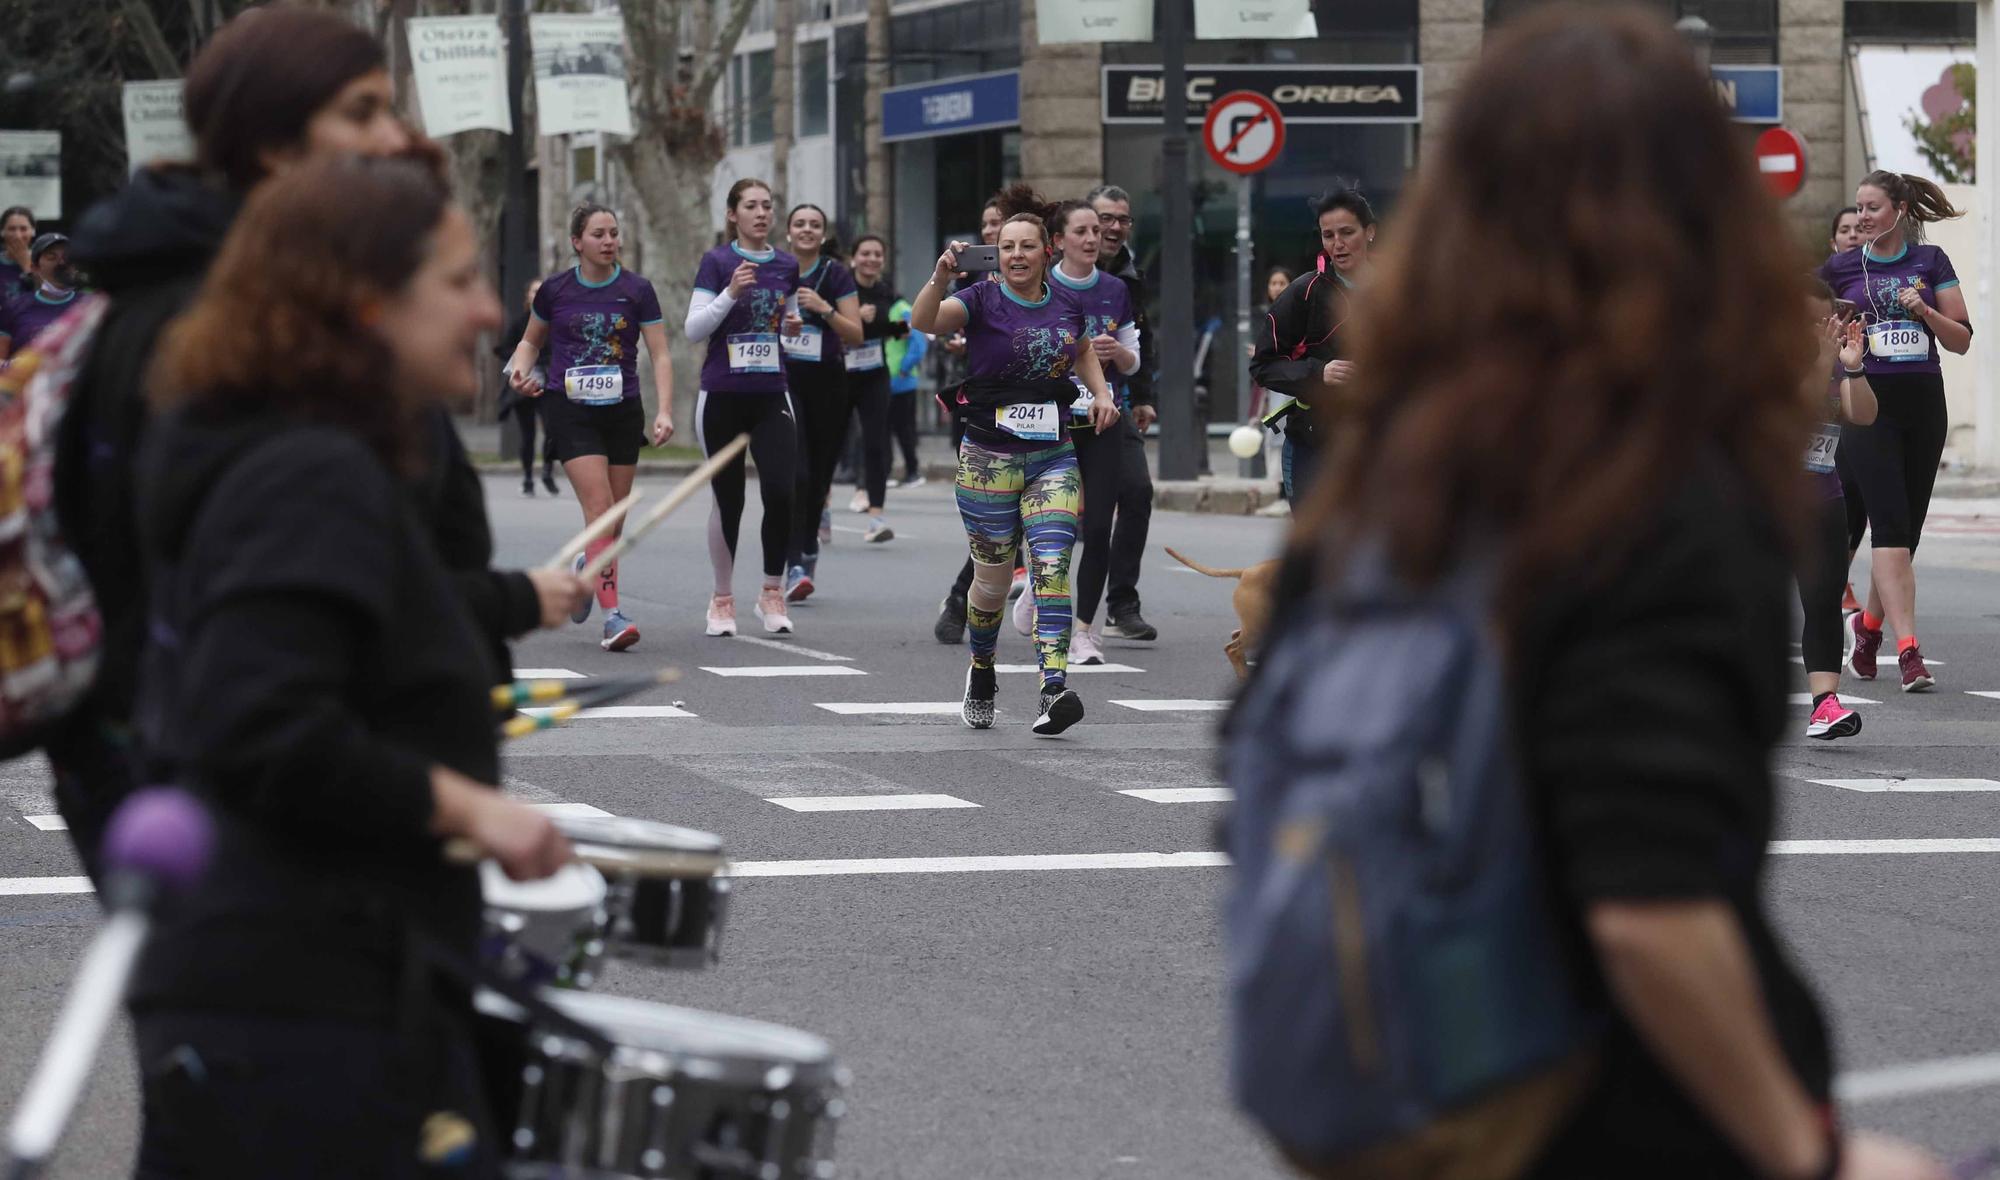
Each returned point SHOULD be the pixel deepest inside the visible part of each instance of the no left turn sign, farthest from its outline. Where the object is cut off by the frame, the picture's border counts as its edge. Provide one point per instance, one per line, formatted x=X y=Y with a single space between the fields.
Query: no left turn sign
x=1243 y=132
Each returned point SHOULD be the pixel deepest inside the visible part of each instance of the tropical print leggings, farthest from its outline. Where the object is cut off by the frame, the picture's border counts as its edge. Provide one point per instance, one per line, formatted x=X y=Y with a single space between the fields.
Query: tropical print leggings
x=1036 y=494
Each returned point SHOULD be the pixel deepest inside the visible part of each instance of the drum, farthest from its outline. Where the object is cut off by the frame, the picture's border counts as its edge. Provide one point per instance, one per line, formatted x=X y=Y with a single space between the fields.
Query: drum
x=667 y=892
x=544 y=932
x=685 y=1095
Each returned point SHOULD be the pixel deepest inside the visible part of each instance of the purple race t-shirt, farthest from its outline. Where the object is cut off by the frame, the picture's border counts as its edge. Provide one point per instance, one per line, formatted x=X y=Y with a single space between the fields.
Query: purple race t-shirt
x=593 y=355
x=817 y=343
x=744 y=353
x=1107 y=306
x=24 y=318
x=1008 y=338
x=1896 y=342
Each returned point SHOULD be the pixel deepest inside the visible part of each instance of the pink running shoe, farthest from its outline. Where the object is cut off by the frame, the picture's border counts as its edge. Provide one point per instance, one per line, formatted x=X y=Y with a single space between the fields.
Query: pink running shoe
x=1833 y=720
x=1866 y=644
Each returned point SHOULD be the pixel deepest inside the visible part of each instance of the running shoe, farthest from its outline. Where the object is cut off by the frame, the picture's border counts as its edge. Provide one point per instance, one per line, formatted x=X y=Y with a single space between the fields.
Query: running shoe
x=1866 y=644
x=549 y=481
x=913 y=480
x=1916 y=677
x=1833 y=720
x=722 y=614
x=1019 y=584
x=582 y=613
x=950 y=626
x=860 y=501
x=798 y=584
x=528 y=487
x=771 y=610
x=619 y=633
x=1848 y=603
x=1061 y=708
x=878 y=531
x=1083 y=648
x=1130 y=624
x=1024 y=614
x=980 y=688
x=825 y=526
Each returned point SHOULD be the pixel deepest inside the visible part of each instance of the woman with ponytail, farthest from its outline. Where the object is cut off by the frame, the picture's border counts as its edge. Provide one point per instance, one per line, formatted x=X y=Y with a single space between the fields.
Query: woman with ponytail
x=1910 y=303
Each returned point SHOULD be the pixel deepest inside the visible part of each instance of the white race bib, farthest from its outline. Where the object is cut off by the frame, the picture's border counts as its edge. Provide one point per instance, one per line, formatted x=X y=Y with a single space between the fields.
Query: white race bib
x=753 y=352
x=1820 y=452
x=1899 y=340
x=865 y=358
x=1034 y=421
x=595 y=385
x=806 y=346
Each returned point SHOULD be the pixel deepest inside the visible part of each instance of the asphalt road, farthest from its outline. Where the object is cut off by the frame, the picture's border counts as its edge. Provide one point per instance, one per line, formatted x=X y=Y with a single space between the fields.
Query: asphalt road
x=1066 y=1021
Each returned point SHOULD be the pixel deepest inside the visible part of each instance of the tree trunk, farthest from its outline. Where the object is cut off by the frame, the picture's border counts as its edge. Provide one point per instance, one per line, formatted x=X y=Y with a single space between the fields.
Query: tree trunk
x=784 y=85
x=880 y=198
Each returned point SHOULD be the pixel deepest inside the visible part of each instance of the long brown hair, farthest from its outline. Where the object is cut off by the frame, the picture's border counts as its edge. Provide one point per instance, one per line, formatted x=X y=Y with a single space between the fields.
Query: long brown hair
x=1589 y=290
x=280 y=322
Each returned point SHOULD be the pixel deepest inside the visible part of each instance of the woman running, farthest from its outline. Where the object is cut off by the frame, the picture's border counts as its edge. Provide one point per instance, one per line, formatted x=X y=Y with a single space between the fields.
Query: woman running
x=1845 y=234
x=17 y=269
x=1025 y=339
x=816 y=370
x=868 y=376
x=1299 y=350
x=591 y=319
x=1848 y=401
x=1109 y=325
x=1909 y=301
x=742 y=305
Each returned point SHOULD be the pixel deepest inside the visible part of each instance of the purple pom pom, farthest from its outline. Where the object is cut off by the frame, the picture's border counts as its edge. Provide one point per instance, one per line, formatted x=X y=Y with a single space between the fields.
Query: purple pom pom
x=162 y=833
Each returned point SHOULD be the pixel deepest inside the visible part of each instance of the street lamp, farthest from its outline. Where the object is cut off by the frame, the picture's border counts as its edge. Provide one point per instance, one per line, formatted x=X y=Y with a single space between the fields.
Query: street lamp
x=1698 y=33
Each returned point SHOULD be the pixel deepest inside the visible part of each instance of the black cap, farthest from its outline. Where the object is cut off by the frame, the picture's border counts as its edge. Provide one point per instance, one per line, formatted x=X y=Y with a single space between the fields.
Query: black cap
x=43 y=244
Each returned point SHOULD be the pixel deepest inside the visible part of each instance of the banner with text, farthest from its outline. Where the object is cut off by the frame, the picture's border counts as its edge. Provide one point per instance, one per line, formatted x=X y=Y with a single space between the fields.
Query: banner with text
x=31 y=171
x=580 y=73
x=1066 y=21
x=460 y=64
x=155 y=126
x=1220 y=20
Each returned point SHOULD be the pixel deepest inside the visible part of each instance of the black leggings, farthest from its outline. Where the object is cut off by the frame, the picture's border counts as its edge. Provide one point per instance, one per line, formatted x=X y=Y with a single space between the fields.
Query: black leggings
x=528 y=414
x=767 y=418
x=1100 y=457
x=869 y=391
x=903 y=427
x=824 y=402
x=1822 y=580
x=1895 y=459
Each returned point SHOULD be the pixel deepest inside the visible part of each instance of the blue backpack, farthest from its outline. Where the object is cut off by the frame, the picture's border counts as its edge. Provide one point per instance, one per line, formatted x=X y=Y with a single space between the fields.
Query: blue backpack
x=1399 y=991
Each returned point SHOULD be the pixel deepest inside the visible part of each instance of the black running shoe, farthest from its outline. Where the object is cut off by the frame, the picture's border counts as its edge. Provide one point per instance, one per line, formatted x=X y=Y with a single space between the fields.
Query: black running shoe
x=1128 y=623
x=950 y=626
x=980 y=689
x=1060 y=710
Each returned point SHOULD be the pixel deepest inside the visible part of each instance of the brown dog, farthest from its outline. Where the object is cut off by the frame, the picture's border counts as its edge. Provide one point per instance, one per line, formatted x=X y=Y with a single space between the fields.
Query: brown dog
x=1252 y=600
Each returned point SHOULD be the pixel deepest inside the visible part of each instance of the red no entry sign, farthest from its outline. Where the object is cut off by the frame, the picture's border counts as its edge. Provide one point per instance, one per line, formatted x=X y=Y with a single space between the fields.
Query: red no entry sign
x=1243 y=132
x=1781 y=160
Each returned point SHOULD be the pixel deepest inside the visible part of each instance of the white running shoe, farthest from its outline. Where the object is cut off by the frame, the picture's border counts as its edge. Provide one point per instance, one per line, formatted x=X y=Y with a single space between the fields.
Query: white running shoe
x=1024 y=614
x=722 y=614
x=1083 y=648
x=771 y=609
x=860 y=501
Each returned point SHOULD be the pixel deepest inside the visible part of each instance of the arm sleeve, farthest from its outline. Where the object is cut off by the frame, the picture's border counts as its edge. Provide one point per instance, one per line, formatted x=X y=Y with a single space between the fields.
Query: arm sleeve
x=1284 y=327
x=649 y=307
x=706 y=311
x=1128 y=337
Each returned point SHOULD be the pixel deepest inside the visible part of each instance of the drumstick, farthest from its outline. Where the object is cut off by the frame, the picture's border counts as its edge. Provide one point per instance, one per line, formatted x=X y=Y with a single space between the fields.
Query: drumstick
x=591 y=532
x=674 y=499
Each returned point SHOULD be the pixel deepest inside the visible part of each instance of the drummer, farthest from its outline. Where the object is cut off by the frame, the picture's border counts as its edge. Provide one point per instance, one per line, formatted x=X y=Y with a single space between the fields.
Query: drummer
x=310 y=673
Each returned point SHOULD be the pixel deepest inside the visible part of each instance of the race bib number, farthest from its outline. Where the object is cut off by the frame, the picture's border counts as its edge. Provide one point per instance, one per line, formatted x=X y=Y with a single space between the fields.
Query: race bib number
x=1036 y=422
x=1820 y=452
x=806 y=346
x=1899 y=340
x=755 y=352
x=865 y=358
x=595 y=385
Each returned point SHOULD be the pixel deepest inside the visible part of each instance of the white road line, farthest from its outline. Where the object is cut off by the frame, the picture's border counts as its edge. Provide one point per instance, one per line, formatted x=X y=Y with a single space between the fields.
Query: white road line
x=792 y=648
x=1931 y=785
x=1918 y=1077
x=48 y=823
x=978 y=864
x=621 y=713
x=547 y=674
x=1175 y=706
x=569 y=810
x=887 y=708
x=1805 y=698
x=1182 y=794
x=1010 y=669
x=870 y=802
x=788 y=670
x=1876 y=847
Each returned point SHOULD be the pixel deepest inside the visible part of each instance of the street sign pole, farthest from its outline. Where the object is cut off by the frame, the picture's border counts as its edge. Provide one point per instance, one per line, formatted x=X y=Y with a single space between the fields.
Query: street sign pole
x=1182 y=439
x=1253 y=467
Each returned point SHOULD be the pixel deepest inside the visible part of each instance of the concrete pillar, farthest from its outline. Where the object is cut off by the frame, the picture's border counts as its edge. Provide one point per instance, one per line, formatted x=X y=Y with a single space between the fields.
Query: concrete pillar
x=1062 y=133
x=1812 y=50
x=1449 y=35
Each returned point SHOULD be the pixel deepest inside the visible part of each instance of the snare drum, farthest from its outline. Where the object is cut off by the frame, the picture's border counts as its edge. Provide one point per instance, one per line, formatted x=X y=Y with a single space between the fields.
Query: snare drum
x=686 y=1095
x=667 y=892
x=544 y=932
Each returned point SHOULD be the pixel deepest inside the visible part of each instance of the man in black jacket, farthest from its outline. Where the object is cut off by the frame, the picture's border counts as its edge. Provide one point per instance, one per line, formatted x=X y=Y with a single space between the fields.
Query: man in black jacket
x=1135 y=481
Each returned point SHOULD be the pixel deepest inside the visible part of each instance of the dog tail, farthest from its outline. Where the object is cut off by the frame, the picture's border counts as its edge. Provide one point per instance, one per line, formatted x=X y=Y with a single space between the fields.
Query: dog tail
x=1199 y=568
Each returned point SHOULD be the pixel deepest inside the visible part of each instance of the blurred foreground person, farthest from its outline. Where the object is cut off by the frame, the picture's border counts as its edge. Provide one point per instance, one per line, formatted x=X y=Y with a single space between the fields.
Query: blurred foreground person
x=309 y=671
x=1502 y=779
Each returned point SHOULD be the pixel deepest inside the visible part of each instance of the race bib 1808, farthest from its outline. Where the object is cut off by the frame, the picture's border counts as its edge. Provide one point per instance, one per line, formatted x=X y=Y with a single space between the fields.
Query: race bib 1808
x=1036 y=421
x=1824 y=446
x=1899 y=340
x=594 y=385
x=753 y=352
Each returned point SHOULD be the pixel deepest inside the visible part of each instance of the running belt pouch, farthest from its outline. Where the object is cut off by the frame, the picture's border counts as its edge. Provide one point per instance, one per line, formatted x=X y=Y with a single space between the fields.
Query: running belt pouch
x=1400 y=1002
